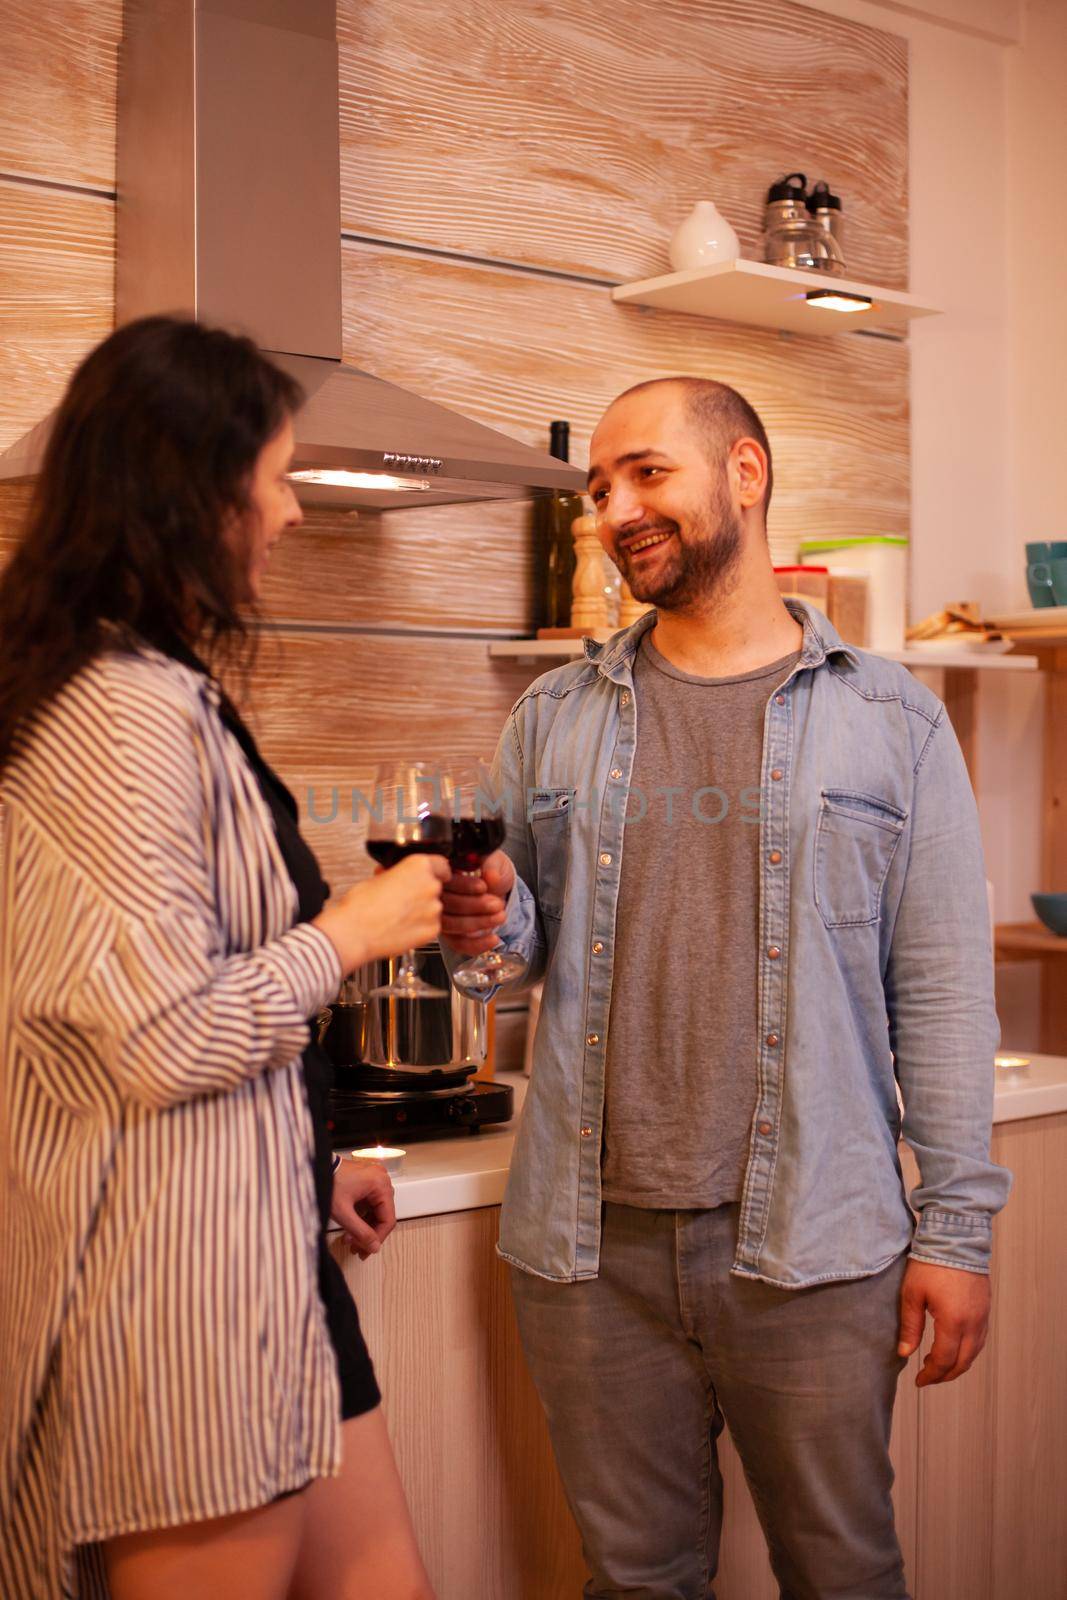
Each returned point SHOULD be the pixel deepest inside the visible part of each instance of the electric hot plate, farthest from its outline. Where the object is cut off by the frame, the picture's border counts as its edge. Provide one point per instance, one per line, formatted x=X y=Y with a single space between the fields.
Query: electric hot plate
x=369 y=1102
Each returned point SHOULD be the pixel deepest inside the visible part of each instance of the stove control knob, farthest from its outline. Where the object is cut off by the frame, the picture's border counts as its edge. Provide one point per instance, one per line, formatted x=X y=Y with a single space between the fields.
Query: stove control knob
x=462 y=1108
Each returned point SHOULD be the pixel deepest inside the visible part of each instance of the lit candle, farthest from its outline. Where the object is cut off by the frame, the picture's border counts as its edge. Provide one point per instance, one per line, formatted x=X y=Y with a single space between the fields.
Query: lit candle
x=390 y=1158
x=1011 y=1063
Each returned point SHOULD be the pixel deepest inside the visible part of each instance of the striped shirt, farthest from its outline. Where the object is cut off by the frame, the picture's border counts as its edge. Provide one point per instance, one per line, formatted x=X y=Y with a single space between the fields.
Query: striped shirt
x=162 y=1342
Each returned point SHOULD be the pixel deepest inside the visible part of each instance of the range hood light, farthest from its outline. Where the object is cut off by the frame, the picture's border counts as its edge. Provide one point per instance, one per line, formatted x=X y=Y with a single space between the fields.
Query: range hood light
x=337 y=478
x=834 y=300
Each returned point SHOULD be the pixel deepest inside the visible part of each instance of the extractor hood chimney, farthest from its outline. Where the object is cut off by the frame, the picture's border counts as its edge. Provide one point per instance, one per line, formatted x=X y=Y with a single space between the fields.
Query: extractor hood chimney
x=229 y=208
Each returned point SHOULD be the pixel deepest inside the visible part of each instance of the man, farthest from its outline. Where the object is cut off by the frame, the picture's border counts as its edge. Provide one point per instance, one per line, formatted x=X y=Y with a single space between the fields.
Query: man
x=736 y=848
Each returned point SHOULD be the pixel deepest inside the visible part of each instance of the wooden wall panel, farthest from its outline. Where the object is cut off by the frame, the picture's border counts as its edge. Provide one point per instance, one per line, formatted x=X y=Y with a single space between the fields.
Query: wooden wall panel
x=510 y=130
x=511 y=349
x=328 y=707
x=56 y=295
x=514 y=350
x=57 y=89
x=577 y=136
x=463 y=567
x=448 y=567
x=14 y=500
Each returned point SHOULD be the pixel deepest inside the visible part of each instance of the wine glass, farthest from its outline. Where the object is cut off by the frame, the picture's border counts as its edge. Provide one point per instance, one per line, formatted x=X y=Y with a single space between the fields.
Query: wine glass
x=410 y=815
x=478 y=830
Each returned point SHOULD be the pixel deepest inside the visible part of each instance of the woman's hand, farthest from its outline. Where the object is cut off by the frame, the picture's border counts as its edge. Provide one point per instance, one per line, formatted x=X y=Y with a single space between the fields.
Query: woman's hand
x=362 y=1204
x=385 y=915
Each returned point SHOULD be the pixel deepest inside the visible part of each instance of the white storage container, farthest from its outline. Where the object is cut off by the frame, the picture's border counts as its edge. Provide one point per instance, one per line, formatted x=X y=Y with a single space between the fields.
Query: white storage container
x=883 y=560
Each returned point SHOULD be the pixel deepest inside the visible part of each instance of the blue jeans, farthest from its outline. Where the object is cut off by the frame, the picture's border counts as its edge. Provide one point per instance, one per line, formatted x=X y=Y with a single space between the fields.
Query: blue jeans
x=637 y=1369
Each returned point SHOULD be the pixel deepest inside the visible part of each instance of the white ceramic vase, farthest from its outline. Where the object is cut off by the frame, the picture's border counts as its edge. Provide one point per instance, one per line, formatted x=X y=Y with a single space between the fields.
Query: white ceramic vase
x=704 y=238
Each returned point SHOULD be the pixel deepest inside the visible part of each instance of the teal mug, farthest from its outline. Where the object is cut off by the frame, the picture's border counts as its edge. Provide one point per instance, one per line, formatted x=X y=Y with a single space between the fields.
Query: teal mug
x=1042 y=557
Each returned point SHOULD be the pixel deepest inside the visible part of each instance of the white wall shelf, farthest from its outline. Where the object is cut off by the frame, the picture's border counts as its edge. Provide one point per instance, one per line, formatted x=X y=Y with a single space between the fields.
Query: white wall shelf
x=1048 y=621
x=772 y=297
x=551 y=650
x=538 y=649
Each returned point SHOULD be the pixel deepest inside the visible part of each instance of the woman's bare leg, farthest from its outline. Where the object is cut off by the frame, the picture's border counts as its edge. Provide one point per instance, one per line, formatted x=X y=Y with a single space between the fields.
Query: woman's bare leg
x=343 y=1538
x=251 y=1554
x=358 y=1541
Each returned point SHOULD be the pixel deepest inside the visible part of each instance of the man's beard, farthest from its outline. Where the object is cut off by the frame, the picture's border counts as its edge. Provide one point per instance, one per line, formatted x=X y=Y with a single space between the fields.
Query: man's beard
x=696 y=572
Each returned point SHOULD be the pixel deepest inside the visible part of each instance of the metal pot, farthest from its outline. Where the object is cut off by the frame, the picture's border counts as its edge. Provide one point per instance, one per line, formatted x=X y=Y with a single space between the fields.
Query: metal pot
x=411 y=1036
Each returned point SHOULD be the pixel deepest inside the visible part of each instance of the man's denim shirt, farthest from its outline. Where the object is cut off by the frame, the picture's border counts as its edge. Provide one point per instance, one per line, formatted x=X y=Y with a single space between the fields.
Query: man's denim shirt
x=875 y=967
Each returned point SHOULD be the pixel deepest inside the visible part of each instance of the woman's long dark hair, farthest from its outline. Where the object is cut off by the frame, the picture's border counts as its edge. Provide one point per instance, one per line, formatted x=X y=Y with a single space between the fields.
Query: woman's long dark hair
x=149 y=459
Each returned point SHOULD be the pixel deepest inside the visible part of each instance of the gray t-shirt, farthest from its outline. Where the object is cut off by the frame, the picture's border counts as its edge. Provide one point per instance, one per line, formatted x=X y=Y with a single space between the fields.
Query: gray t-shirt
x=681 y=1048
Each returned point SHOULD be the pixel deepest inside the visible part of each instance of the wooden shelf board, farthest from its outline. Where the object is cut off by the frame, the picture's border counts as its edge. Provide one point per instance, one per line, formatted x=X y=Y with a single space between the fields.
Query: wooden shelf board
x=569 y=649
x=537 y=649
x=1025 y=940
x=1037 y=638
x=1033 y=617
x=763 y=296
x=966 y=659
x=1036 y=626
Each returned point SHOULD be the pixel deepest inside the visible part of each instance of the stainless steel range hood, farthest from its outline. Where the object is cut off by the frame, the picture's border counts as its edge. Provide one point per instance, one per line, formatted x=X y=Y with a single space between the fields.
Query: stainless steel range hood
x=229 y=208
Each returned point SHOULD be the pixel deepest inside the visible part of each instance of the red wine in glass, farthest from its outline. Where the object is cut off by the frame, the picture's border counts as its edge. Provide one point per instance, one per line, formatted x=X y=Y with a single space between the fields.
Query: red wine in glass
x=429 y=836
x=477 y=830
x=407 y=819
x=473 y=840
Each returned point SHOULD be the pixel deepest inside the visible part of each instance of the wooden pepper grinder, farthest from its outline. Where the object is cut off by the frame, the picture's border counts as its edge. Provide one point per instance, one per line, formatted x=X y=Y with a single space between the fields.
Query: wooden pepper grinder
x=629 y=608
x=589 y=603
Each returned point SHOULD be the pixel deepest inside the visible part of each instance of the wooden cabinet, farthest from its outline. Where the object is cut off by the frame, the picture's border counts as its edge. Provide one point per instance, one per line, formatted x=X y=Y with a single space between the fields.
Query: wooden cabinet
x=466 y=1424
x=981 y=1469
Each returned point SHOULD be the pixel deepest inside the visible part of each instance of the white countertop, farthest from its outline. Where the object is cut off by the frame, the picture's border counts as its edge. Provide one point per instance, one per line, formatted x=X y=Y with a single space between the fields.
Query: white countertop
x=1036 y=1090
x=463 y=1171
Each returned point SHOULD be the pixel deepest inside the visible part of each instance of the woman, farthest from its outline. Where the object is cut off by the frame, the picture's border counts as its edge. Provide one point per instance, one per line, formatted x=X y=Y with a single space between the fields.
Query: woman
x=188 y=1408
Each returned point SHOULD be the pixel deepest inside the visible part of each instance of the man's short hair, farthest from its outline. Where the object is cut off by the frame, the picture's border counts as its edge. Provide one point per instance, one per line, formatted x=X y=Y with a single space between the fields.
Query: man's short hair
x=722 y=414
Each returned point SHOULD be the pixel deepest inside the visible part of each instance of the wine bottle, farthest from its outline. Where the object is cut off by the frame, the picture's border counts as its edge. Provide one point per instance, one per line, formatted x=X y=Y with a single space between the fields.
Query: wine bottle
x=554 y=558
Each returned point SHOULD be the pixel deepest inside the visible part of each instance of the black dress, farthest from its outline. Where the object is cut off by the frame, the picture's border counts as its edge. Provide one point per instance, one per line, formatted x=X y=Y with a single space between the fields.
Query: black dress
x=359 y=1387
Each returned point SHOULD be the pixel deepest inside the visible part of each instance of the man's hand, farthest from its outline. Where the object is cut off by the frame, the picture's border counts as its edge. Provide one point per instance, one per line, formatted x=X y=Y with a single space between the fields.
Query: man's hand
x=362 y=1204
x=473 y=905
x=958 y=1301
